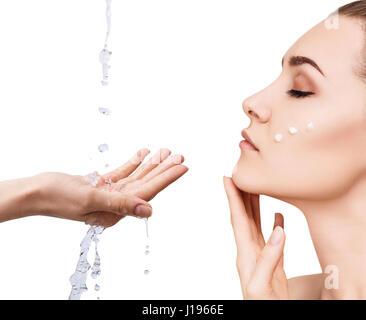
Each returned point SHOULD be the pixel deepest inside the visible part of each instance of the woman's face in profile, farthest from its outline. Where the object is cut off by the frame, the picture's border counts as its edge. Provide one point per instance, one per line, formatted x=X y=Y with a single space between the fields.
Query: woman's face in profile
x=321 y=84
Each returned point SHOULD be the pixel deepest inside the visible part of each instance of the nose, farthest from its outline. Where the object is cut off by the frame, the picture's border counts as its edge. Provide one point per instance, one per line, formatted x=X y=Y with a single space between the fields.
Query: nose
x=257 y=109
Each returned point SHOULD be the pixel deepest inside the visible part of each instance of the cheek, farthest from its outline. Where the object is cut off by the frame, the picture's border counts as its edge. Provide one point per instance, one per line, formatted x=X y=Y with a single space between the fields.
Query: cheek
x=319 y=164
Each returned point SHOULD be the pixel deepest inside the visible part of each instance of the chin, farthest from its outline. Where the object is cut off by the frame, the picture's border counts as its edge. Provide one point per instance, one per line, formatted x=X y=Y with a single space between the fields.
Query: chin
x=246 y=179
x=252 y=179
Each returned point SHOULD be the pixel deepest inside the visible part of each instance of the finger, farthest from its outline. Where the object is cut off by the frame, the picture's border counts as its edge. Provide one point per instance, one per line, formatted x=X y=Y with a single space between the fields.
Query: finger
x=129 y=167
x=239 y=217
x=247 y=203
x=279 y=221
x=254 y=200
x=257 y=217
x=150 y=189
x=248 y=206
x=268 y=260
x=168 y=163
x=152 y=163
x=119 y=203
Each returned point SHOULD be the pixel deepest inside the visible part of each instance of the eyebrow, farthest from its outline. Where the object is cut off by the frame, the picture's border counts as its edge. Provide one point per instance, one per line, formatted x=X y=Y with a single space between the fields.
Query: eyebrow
x=299 y=60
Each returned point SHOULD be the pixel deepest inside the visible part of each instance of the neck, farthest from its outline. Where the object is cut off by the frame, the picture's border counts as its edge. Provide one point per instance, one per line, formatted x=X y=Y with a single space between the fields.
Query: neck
x=338 y=231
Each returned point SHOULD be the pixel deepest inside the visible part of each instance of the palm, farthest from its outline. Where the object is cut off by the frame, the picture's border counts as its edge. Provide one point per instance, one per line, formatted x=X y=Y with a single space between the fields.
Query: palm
x=142 y=180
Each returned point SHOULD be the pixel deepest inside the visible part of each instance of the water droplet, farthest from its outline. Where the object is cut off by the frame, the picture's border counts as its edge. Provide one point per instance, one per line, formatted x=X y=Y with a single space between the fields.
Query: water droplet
x=103 y=147
x=146 y=272
x=96 y=287
x=147 y=252
x=105 y=111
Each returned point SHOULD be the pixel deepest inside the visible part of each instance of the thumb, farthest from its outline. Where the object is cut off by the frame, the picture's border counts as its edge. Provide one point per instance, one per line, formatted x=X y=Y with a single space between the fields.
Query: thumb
x=269 y=258
x=121 y=204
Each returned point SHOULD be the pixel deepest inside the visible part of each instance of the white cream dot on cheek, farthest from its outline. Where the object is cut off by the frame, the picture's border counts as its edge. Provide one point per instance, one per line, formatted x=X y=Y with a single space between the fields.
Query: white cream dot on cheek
x=292 y=130
x=278 y=137
x=310 y=126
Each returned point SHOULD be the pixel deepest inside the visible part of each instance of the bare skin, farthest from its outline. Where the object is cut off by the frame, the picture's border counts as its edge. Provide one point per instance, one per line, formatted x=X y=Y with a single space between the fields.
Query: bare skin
x=119 y=193
x=305 y=287
x=260 y=265
x=322 y=172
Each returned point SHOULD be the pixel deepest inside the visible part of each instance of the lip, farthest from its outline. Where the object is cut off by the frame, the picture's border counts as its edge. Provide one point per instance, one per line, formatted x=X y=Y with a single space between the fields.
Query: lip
x=245 y=135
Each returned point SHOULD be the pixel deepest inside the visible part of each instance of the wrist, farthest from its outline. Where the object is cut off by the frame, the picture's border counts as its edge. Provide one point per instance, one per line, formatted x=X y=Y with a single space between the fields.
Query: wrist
x=32 y=194
x=20 y=197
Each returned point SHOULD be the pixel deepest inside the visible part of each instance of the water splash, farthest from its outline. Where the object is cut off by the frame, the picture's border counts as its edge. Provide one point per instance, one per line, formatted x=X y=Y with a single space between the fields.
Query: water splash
x=108 y=18
x=105 y=54
x=147 y=246
x=96 y=270
x=147 y=227
x=79 y=277
x=93 y=178
x=104 y=58
x=96 y=265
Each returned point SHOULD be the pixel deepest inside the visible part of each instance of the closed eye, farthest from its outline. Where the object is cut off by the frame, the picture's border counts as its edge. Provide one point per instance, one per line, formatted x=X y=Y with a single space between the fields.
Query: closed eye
x=299 y=94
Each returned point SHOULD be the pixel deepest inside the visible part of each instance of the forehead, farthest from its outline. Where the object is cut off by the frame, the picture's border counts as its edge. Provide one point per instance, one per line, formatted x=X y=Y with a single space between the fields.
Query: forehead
x=334 y=50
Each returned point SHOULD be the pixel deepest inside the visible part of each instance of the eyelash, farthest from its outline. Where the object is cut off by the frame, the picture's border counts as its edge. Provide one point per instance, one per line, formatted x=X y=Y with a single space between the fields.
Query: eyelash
x=299 y=94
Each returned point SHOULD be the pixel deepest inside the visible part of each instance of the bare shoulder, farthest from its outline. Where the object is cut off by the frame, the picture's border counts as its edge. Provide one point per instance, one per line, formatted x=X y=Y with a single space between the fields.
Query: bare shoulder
x=305 y=287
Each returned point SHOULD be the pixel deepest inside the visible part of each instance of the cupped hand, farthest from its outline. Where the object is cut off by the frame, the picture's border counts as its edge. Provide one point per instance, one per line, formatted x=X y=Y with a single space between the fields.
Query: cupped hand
x=259 y=264
x=115 y=195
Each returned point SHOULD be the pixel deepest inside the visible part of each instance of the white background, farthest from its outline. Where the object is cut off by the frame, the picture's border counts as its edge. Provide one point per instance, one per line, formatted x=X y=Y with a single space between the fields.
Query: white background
x=180 y=70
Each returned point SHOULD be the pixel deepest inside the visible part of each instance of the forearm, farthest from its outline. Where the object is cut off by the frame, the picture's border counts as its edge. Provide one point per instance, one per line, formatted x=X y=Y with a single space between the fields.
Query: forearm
x=19 y=198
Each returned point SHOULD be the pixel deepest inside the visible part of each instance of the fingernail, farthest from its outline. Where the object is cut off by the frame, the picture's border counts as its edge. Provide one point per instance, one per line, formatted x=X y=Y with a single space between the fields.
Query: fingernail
x=143 y=211
x=276 y=236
